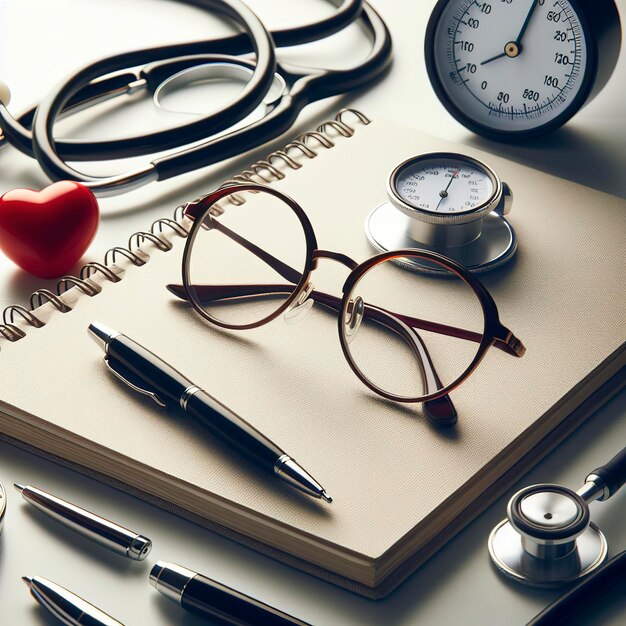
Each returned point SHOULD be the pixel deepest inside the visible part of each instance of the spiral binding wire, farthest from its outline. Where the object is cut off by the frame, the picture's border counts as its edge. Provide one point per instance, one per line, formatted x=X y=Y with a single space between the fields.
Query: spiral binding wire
x=94 y=267
x=133 y=257
x=264 y=171
x=38 y=297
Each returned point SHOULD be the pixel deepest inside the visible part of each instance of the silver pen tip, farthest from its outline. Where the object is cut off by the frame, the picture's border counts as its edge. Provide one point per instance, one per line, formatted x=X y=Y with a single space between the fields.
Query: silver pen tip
x=170 y=579
x=19 y=487
x=101 y=334
x=155 y=573
x=326 y=497
x=28 y=580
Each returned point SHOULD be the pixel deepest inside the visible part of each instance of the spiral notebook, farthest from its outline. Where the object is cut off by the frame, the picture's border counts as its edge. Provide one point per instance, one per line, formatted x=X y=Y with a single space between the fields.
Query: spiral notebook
x=401 y=487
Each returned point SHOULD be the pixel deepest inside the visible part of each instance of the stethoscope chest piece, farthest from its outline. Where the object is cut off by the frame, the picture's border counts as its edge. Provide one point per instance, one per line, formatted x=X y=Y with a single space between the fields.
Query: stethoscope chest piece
x=547 y=539
x=447 y=203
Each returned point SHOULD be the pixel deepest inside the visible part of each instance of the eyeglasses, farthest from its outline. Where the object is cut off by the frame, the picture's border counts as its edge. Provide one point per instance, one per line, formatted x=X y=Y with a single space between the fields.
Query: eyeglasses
x=408 y=337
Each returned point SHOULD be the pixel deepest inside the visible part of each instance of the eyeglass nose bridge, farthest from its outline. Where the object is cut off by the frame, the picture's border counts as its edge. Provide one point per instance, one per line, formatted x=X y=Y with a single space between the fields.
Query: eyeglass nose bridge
x=300 y=306
x=304 y=303
x=353 y=318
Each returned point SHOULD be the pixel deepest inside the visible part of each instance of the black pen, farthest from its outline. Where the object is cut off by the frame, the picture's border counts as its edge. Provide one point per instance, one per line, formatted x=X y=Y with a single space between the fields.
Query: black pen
x=148 y=374
x=209 y=598
x=66 y=606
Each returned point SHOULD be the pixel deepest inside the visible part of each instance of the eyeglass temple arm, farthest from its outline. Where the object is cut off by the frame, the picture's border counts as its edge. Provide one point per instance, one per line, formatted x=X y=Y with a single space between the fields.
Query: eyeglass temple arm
x=507 y=341
x=208 y=293
x=439 y=410
x=286 y=271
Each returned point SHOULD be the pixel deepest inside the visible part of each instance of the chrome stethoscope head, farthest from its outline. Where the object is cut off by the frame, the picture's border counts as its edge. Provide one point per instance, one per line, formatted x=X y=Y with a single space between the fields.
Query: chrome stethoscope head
x=547 y=539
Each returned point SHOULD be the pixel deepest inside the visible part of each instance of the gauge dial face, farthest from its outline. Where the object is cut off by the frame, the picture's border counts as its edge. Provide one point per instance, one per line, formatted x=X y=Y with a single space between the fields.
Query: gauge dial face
x=511 y=65
x=443 y=184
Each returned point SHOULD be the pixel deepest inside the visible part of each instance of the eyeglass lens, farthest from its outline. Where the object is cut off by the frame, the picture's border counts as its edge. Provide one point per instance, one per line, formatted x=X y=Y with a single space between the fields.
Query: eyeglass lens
x=398 y=344
x=245 y=263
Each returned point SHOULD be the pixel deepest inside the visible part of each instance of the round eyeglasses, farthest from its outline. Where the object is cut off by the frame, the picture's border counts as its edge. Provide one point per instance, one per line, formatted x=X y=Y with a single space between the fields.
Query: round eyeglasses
x=407 y=337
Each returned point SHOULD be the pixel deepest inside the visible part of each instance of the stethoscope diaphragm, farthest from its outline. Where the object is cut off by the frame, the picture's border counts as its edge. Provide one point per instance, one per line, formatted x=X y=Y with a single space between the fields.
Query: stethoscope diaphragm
x=547 y=539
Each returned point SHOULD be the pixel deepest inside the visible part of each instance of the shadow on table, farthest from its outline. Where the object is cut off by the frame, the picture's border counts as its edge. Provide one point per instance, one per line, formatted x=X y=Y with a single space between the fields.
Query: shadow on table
x=571 y=153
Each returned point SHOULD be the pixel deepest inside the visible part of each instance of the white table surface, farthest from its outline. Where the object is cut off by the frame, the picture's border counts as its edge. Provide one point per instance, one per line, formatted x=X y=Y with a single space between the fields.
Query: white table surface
x=41 y=41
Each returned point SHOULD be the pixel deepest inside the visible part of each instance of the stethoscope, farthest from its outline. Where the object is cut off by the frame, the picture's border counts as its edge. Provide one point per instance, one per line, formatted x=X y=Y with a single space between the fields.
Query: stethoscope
x=547 y=539
x=281 y=89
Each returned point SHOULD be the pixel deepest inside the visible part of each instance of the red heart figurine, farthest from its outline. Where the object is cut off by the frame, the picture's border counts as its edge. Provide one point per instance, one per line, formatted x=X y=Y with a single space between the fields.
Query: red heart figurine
x=46 y=232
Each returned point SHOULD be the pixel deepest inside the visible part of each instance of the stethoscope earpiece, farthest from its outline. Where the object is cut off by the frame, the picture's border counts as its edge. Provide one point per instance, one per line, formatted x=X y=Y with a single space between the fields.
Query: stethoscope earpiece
x=548 y=539
x=5 y=94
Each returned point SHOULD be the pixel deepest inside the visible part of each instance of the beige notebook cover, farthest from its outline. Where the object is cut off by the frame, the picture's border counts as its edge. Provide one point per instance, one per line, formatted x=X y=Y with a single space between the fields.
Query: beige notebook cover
x=401 y=487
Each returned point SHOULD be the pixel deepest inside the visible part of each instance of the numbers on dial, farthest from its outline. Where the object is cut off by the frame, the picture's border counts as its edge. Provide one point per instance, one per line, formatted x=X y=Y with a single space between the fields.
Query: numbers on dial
x=444 y=185
x=510 y=64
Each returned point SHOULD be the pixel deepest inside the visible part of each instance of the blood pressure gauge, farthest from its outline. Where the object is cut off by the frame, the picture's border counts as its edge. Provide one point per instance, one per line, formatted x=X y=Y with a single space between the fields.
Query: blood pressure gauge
x=447 y=203
x=516 y=69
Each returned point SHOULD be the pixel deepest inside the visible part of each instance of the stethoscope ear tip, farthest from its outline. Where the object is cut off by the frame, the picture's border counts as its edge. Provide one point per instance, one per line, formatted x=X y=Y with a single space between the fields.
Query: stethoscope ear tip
x=5 y=94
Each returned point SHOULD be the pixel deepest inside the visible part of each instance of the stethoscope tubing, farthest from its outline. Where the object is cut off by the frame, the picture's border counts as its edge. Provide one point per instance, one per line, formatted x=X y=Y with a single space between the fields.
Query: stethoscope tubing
x=312 y=85
x=19 y=131
x=86 y=87
x=249 y=98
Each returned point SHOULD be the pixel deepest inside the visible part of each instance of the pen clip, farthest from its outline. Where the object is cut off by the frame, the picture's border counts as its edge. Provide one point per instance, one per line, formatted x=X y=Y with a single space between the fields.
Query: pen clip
x=123 y=375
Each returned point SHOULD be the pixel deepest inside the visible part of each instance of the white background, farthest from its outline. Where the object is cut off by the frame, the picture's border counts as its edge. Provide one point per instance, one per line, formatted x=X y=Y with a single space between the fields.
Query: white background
x=41 y=42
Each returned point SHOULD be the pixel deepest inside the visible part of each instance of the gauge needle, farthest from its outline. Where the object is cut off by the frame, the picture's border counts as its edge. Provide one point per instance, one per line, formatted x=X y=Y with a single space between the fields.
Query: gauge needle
x=444 y=192
x=514 y=48
x=498 y=56
x=533 y=6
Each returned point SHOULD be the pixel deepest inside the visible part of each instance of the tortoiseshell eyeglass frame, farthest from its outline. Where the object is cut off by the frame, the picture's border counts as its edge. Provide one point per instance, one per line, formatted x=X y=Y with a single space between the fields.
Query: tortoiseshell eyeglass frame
x=438 y=406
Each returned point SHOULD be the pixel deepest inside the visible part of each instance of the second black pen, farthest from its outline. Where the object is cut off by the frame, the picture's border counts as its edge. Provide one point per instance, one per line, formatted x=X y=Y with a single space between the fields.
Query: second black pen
x=212 y=599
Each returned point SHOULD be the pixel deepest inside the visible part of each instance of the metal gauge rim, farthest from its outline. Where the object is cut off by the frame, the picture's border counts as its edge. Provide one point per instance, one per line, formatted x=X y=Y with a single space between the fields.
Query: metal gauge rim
x=510 y=559
x=432 y=217
x=584 y=92
x=386 y=229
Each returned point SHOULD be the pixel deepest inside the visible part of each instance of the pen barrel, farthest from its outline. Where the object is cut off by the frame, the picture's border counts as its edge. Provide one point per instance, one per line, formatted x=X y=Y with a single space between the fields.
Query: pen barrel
x=228 y=606
x=167 y=382
x=233 y=430
x=67 y=606
x=100 y=530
